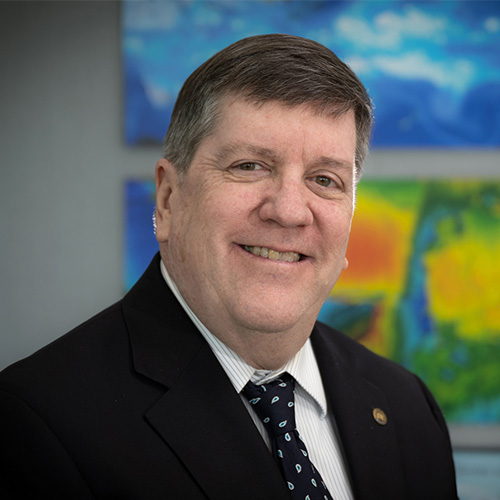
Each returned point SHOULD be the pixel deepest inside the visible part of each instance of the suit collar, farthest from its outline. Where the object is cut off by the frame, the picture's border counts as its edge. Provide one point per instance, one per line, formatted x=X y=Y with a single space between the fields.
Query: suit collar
x=200 y=411
x=371 y=450
x=162 y=338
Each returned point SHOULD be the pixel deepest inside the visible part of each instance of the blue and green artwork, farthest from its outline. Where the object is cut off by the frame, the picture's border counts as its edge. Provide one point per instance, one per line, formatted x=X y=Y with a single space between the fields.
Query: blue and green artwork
x=432 y=68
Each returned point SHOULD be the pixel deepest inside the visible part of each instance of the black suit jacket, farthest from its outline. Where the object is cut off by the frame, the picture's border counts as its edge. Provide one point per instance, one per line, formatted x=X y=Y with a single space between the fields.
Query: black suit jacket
x=134 y=405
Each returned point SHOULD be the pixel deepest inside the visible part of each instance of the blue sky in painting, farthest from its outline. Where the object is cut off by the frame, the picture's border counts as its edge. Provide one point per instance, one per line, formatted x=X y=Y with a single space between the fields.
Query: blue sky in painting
x=432 y=68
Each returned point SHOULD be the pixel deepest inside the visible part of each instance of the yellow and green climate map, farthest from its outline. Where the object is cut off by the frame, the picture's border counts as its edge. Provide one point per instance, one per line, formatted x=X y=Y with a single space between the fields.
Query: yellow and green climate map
x=423 y=287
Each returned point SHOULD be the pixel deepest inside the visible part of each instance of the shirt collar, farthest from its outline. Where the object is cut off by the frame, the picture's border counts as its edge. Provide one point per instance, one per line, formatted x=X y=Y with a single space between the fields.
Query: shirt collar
x=303 y=366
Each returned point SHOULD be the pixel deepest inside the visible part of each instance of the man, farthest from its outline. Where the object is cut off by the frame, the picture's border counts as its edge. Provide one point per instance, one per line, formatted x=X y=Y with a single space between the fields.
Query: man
x=152 y=398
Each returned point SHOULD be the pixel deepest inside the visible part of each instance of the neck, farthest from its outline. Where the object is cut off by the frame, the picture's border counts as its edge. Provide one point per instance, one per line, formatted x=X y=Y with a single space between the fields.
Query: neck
x=265 y=350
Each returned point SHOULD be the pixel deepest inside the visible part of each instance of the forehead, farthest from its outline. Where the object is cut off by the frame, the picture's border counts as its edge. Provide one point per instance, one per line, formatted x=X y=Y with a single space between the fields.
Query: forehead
x=274 y=128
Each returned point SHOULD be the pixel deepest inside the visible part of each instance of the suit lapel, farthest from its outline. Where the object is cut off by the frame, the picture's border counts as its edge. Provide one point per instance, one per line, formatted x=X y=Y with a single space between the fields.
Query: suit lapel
x=200 y=417
x=203 y=419
x=371 y=449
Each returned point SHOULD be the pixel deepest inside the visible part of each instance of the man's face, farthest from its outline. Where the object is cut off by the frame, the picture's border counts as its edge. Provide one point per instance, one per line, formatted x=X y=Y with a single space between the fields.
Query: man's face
x=255 y=235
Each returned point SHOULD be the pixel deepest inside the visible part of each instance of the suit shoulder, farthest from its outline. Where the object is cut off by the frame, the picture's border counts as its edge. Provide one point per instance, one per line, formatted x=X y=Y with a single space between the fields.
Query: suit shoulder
x=74 y=352
x=398 y=383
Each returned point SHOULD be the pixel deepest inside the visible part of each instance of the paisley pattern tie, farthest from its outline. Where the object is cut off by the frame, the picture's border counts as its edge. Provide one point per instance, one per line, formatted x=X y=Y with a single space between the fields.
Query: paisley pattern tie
x=274 y=405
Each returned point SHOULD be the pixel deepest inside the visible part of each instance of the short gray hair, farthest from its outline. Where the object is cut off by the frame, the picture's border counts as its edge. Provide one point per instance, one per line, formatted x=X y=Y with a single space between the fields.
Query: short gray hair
x=276 y=67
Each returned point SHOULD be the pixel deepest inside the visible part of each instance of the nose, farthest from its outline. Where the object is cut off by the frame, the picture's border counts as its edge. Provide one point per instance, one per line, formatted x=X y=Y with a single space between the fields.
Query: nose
x=286 y=203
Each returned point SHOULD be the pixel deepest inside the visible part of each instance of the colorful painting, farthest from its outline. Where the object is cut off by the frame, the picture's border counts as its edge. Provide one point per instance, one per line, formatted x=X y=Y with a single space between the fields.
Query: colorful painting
x=432 y=68
x=421 y=287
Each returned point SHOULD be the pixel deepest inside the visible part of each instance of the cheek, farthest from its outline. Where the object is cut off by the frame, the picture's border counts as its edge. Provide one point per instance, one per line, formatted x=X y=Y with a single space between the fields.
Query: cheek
x=336 y=227
x=194 y=234
x=182 y=230
x=223 y=214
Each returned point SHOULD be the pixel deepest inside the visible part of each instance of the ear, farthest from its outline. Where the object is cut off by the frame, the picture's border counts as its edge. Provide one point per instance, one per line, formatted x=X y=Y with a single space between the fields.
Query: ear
x=346 y=264
x=167 y=183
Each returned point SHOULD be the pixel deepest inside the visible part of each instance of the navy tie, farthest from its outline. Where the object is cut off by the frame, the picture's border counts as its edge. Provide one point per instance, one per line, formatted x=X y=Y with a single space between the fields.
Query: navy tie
x=274 y=405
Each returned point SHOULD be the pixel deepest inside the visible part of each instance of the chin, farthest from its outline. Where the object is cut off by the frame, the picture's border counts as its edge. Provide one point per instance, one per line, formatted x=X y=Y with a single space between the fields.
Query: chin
x=274 y=319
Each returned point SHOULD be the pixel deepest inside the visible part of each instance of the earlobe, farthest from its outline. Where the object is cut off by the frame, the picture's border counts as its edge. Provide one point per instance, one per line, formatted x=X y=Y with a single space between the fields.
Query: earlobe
x=346 y=264
x=166 y=182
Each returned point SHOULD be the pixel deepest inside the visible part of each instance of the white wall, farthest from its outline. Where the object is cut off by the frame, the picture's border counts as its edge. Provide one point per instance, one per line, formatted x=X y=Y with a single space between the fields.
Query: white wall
x=63 y=163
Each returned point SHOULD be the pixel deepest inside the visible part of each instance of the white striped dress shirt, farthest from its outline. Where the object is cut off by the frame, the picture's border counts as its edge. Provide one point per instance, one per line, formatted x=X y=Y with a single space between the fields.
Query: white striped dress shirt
x=311 y=413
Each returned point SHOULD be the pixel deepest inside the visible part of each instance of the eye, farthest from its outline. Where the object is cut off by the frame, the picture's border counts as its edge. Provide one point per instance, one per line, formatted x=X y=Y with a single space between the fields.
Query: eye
x=248 y=170
x=323 y=181
x=249 y=166
x=326 y=185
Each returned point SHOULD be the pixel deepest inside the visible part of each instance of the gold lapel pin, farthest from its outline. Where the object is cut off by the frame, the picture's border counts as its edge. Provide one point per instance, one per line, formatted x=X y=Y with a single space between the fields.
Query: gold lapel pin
x=379 y=416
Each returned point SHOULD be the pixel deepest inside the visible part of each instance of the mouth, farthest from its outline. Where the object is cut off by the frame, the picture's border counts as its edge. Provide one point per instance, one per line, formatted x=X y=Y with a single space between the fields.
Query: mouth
x=269 y=253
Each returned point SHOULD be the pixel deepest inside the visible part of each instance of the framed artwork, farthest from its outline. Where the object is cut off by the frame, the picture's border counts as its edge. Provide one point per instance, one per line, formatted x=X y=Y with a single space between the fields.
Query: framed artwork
x=421 y=287
x=432 y=68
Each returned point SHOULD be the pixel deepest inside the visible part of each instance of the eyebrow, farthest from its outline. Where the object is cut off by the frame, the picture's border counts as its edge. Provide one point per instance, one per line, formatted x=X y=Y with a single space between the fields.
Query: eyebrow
x=327 y=161
x=244 y=148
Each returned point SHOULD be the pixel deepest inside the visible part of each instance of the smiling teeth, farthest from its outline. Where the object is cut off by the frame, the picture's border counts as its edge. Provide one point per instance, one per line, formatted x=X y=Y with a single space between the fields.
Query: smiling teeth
x=269 y=253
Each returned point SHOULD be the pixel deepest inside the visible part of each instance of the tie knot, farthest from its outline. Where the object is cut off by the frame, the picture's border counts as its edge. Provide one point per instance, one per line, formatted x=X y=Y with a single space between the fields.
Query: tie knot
x=274 y=404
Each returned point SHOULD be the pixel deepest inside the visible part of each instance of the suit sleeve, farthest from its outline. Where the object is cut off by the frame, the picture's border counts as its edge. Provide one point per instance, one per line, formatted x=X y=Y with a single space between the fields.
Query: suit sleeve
x=33 y=463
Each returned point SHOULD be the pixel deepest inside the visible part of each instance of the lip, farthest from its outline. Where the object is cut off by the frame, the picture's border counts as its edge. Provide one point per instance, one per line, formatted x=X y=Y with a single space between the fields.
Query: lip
x=246 y=249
